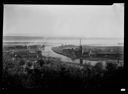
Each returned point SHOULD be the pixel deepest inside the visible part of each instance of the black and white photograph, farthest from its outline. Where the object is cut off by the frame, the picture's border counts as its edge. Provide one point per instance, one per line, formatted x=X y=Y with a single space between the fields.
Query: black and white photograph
x=63 y=46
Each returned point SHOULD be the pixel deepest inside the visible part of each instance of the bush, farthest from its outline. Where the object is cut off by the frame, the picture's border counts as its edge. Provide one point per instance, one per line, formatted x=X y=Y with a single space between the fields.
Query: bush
x=111 y=66
x=22 y=62
x=99 y=67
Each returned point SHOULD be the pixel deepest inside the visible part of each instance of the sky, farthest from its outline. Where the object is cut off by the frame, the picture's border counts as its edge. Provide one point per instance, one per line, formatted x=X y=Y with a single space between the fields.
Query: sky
x=64 y=20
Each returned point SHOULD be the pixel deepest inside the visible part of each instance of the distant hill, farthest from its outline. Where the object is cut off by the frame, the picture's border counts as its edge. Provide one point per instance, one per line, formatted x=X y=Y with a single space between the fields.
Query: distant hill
x=20 y=37
x=42 y=37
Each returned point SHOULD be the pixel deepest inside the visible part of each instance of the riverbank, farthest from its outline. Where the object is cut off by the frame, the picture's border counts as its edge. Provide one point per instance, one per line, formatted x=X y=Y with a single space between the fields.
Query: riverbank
x=99 y=54
x=90 y=52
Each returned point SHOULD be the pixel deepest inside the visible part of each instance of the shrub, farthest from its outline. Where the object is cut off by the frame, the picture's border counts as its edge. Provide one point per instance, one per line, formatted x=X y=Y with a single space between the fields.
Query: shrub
x=111 y=66
x=22 y=62
x=99 y=67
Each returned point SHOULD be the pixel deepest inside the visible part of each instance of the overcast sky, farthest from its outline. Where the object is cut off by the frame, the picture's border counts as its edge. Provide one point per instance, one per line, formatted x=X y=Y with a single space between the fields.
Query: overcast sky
x=64 y=20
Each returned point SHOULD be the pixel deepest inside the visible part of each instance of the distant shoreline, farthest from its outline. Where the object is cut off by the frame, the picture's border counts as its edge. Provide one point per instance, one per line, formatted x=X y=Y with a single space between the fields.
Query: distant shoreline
x=39 y=43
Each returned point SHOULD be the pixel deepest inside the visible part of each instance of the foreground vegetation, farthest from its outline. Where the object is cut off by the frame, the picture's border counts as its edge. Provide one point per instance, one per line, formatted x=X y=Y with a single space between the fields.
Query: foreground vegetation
x=24 y=69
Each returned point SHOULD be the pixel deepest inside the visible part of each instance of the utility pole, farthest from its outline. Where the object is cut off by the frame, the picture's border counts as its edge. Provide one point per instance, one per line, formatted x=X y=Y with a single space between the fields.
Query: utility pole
x=81 y=55
x=118 y=58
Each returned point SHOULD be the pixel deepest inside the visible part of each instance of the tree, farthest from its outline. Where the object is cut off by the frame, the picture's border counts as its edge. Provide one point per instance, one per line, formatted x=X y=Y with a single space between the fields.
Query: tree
x=99 y=67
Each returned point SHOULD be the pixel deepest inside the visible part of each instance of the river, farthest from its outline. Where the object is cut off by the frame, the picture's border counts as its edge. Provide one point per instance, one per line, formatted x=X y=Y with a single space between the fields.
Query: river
x=54 y=43
x=49 y=52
